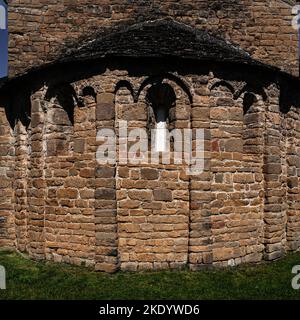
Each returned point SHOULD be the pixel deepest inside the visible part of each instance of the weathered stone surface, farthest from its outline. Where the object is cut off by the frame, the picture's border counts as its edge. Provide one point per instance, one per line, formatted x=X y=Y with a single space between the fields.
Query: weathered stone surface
x=162 y=195
x=59 y=203
x=79 y=145
x=105 y=172
x=105 y=107
x=149 y=174
x=233 y=145
x=227 y=20
x=106 y=194
x=67 y=193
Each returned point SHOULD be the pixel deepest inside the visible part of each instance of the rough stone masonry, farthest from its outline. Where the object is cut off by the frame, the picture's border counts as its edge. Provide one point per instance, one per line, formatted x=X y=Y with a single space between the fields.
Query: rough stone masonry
x=227 y=67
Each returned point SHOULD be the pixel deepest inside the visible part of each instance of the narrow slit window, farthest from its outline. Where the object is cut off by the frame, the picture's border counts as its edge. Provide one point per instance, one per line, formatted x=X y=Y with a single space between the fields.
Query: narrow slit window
x=161 y=130
x=161 y=98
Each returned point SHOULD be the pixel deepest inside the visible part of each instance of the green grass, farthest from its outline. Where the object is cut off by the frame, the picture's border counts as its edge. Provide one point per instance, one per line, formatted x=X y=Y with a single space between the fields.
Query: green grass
x=27 y=279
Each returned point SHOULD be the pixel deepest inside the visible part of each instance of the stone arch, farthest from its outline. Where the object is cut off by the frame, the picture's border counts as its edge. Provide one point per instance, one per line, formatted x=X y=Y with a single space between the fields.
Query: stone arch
x=58 y=139
x=236 y=185
x=167 y=76
x=222 y=83
x=125 y=84
x=275 y=159
x=180 y=110
x=254 y=89
x=164 y=208
x=66 y=97
x=248 y=100
x=161 y=99
x=253 y=100
x=88 y=92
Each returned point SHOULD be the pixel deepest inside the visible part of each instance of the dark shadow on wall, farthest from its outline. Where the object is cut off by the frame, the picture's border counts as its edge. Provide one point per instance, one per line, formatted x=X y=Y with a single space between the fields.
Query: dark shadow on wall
x=289 y=96
x=66 y=98
x=15 y=95
x=17 y=107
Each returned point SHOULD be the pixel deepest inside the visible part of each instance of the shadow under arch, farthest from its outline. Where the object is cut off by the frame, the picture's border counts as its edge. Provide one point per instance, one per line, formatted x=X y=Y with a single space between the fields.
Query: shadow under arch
x=66 y=97
x=16 y=111
x=125 y=84
x=224 y=84
x=254 y=89
x=152 y=80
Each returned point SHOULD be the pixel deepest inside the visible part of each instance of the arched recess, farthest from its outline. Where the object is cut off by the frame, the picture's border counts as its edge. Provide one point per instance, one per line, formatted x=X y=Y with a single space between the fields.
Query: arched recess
x=222 y=83
x=166 y=92
x=163 y=77
x=254 y=101
x=226 y=148
x=153 y=199
x=161 y=101
x=59 y=104
x=236 y=207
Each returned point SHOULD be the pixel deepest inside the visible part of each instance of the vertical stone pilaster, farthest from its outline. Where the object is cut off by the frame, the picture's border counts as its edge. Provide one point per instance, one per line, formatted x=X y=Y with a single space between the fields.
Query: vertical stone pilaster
x=7 y=223
x=275 y=180
x=292 y=136
x=20 y=186
x=253 y=182
x=200 y=237
x=36 y=184
x=82 y=176
x=106 y=249
x=229 y=178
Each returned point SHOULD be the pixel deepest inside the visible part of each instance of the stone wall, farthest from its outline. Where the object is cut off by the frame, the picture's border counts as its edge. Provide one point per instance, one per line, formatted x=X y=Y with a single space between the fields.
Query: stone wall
x=60 y=204
x=7 y=151
x=41 y=30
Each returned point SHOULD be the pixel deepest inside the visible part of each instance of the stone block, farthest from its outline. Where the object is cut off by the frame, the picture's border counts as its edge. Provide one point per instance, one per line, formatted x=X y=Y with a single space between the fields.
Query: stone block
x=273 y=168
x=79 y=145
x=149 y=174
x=162 y=195
x=105 y=194
x=232 y=145
x=105 y=172
x=105 y=109
x=67 y=193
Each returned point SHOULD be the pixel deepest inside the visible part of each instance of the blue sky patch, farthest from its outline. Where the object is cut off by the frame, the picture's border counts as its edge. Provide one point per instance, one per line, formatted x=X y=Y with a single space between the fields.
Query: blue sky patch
x=3 y=40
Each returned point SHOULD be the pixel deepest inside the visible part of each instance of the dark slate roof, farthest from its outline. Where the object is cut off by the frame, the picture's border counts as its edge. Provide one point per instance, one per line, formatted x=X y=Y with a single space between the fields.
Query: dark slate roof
x=159 y=39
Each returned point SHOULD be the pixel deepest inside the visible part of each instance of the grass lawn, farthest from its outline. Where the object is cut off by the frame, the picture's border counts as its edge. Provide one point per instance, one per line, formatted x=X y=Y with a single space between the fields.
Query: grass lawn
x=31 y=280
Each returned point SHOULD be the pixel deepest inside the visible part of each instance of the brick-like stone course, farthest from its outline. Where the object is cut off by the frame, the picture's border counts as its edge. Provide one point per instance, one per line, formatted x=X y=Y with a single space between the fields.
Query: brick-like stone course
x=57 y=202
x=40 y=31
x=63 y=205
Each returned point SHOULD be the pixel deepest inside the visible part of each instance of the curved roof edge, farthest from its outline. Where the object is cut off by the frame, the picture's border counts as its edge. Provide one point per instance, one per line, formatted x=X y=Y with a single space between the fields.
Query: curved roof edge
x=163 y=38
x=159 y=38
